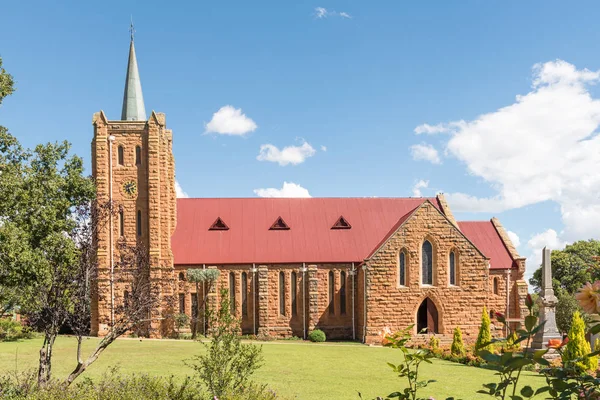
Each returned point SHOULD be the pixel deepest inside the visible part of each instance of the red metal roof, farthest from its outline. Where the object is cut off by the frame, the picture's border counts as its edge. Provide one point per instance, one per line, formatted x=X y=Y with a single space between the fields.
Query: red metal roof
x=484 y=236
x=310 y=238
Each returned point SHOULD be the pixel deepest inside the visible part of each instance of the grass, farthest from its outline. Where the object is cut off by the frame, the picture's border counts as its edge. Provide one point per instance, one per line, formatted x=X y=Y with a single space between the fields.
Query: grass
x=294 y=369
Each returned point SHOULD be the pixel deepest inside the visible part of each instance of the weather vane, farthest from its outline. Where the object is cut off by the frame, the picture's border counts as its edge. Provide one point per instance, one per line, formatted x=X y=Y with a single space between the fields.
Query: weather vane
x=131 y=29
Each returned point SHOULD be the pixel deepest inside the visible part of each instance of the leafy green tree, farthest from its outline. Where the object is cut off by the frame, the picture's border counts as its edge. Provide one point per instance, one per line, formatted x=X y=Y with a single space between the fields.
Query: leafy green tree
x=457 y=348
x=565 y=309
x=573 y=266
x=578 y=347
x=227 y=365
x=485 y=334
x=208 y=278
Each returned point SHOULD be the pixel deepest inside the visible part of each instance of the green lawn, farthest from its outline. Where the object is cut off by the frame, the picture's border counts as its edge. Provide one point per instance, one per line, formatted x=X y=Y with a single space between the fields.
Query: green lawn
x=294 y=369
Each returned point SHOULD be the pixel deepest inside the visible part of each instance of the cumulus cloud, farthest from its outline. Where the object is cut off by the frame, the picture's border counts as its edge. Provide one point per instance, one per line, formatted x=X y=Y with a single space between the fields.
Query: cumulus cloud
x=416 y=190
x=425 y=152
x=230 y=121
x=542 y=147
x=514 y=238
x=550 y=239
x=321 y=13
x=288 y=155
x=179 y=191
x=289 y=189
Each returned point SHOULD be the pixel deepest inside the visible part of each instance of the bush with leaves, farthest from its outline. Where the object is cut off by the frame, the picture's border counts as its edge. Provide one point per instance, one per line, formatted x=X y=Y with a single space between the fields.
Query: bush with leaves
x=484 y=337
x=434 y=343
x=13 y=330
x=181 y=321
x=565 y=308
x=317 y=336
x=227 y=365
x=457 y=348
x=578 y=348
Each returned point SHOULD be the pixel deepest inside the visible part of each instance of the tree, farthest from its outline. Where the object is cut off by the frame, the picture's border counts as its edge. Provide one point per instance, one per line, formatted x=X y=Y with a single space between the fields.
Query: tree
x=572 y=267
x=227 y=365
x=457 y=348
x=565 y=308
x=206 y=277
x=578 y=347
x=485 y=336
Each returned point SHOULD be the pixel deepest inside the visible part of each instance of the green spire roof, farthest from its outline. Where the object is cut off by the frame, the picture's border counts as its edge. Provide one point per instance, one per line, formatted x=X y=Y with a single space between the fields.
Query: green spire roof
x=133 y=100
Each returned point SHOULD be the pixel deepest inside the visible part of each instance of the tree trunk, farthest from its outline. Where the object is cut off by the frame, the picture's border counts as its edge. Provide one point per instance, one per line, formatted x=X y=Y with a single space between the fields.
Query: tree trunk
x=196 y=315
x=83 y=365
x=45 y=367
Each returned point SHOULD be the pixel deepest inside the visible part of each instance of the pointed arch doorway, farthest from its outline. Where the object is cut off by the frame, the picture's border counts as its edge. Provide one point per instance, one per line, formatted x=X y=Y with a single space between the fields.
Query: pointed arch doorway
x=427 y=317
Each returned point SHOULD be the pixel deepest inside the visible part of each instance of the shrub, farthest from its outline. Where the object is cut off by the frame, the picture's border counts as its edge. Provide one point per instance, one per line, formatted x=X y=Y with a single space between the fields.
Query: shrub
x=227 y=364
x=485 y=335
x=457 y=348
x=317 y=336
x=181 y=321
x=13 y=330
x=512 y=343
x=578 y=346
x=434 y=343
x=565 y=308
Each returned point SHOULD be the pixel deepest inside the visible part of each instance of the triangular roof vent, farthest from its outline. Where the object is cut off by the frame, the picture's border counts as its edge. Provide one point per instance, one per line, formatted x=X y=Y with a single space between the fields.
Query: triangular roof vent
x=218 y=225
x=341 y=223
x=279 y=224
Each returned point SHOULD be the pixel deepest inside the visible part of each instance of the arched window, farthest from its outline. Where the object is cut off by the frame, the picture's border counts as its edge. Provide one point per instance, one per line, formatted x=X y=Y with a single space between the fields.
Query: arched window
x=121 y=155
x=244 y=294
x=402 y=268
x=293 y=284
x=331 y=293
x=181 y=276
x=495 y=285
x=121 y=224
x=342 y=292
x=281 y=293
x=126 y=299
x=427 y=263
x=181 y=303
x=232 y=293
x=139 y=223
x=138 y=155
x=452 y=261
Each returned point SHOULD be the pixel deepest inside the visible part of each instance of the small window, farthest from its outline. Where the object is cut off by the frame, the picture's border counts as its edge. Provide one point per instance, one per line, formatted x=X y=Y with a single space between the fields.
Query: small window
x=139 y=223
x=138 y=155
x=218 y=225
x=281 y=293
x=232 y=293
x=244 y=294
x=495 y=285
x=121 y=224
x=331 y=293
x=293 y=284
x=452 y=269
x=126 y=299
x=427 y=263
x=341 y=223
x=121 y=155
x=194 y=299
x=279 y=224
x=342 y=292
x=181 y=276
x=181 y=303
x=402 y=268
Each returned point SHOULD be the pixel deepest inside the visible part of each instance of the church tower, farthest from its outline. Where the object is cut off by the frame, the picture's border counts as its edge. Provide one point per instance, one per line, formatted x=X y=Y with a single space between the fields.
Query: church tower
x=133 y=166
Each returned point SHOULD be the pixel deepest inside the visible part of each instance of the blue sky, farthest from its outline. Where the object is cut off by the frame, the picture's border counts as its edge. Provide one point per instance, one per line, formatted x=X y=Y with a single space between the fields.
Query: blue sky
x=355 y=78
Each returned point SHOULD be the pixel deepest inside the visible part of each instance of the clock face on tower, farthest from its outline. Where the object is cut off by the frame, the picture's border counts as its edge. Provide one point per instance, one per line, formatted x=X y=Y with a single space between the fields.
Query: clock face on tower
x=130 y=189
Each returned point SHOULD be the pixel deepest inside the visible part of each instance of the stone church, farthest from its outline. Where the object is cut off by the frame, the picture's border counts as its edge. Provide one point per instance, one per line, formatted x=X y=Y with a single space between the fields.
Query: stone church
x=353 y=267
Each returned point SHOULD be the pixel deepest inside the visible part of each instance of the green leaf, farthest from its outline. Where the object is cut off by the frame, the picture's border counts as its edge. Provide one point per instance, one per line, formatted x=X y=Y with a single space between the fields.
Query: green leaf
x=595 y=329
x=530 y=322
x=543 y=389
x=527 y=391
x=489 y=356
x=539 y=353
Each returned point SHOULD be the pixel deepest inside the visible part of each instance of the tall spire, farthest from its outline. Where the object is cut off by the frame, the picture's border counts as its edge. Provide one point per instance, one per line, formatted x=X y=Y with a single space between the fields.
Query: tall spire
x=133 y=100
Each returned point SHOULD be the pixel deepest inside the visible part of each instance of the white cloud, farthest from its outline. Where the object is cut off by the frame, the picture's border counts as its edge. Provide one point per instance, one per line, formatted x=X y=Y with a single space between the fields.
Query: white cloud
x=536 y=244
x=416 y=190
x=514 y=238
x=289 y=189
x=425 y=152
x=321 y=13
x=288 y=155
x=230 y=121
x=179 y=191
x=323 y=148
x=542 y=147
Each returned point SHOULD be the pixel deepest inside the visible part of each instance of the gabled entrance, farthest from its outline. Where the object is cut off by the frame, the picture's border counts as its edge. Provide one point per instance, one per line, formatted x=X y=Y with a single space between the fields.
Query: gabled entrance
x=427 y=317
